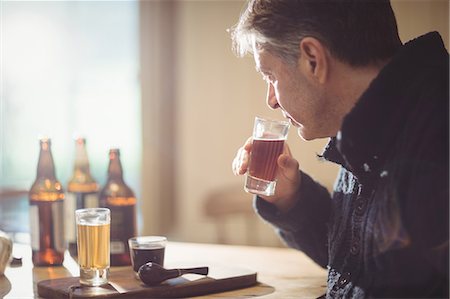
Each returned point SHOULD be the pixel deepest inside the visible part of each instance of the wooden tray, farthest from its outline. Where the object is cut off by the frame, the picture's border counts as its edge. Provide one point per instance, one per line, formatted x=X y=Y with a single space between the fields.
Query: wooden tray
x=123 y=284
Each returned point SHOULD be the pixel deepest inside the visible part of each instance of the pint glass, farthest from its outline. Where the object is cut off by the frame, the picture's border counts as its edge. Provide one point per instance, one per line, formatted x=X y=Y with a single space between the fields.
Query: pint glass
x=268 y=143
x=93 y=231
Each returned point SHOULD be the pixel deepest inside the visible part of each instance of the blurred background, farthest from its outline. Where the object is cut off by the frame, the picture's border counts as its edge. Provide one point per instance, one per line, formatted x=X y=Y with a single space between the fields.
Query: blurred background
x=157 y=79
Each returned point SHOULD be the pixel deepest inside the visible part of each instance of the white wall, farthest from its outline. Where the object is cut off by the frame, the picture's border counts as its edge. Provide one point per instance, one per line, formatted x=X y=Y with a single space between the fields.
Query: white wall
x=218 y=96
x=417 y=17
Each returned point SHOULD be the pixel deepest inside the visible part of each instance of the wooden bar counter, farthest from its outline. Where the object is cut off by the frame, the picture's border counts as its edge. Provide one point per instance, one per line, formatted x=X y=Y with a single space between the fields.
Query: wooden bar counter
x=281 y=272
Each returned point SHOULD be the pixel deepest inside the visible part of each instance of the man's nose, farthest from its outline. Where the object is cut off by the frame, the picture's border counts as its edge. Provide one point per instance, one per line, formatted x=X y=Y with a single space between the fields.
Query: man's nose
x=271 y=98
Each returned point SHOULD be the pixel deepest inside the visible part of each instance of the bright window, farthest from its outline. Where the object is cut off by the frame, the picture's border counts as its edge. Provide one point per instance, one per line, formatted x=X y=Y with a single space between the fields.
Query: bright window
x=69 y=68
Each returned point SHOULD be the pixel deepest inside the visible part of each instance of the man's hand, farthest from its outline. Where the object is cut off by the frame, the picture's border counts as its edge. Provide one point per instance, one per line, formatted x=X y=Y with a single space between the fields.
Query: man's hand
x=288 y=176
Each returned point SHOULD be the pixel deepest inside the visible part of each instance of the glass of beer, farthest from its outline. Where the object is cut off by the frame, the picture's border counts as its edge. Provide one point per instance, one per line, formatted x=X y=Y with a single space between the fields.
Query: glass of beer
x=93 y=231
x=268 y=143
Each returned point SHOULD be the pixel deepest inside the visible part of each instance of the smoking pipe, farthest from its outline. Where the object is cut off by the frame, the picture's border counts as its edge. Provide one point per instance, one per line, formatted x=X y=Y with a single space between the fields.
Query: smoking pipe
x=152 y=274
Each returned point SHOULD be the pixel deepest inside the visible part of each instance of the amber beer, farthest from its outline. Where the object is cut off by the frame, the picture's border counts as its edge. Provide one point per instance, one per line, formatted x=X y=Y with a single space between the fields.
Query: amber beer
x=268 y=142
x=120 y=199
x=82 y=192
x=46 y=199
x=93 y=241
x=265 y=153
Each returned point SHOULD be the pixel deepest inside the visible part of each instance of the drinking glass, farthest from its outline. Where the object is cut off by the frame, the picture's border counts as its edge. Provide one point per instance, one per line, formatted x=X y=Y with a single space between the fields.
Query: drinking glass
x=147 y=249
x=93 y=238
x=268 y=143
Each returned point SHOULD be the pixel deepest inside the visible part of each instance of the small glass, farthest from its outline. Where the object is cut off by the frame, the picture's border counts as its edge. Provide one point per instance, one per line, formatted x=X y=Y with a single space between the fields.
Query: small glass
x=268 y=142
x=147 y=249
x=93 y=244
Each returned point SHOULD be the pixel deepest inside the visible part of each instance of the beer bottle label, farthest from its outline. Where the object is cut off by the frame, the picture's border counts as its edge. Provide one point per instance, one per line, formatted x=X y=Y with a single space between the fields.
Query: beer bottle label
x=70 y=205
x=72 y=202
x=56 y=223
x=122 y=227
x=117 y=225
x=91 y=200
x=34 y=227
x=117 y=247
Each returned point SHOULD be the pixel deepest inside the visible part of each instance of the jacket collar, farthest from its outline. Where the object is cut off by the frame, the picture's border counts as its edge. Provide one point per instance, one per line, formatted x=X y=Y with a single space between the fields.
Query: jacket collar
x=377 y=120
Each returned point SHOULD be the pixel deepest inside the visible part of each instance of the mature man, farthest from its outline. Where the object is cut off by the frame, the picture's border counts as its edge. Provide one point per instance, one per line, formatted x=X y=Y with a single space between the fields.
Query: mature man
x=337 y=68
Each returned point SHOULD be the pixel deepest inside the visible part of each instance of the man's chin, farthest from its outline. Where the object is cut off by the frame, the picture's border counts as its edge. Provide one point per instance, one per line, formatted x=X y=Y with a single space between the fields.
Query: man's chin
x=309 y=135
x=304 y=134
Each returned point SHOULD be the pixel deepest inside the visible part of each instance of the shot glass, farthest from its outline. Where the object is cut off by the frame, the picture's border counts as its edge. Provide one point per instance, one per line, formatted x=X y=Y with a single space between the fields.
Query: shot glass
x=146 y=249
x=93 y=238
x=268 y=143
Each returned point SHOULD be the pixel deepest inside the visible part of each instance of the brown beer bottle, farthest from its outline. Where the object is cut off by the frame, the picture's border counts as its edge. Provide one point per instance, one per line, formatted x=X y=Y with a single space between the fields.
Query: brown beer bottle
x=82 y=192
x=120 y=199
x=46 y=212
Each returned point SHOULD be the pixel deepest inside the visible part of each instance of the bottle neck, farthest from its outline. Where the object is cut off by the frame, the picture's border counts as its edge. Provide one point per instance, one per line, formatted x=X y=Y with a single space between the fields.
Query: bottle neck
x=46 y=167
x=81 y=157
x=115 y=171
x=81 y=180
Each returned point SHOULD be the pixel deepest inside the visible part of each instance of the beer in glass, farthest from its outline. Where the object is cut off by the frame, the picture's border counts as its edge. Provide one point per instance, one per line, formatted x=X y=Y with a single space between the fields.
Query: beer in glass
x=93 y=231
x=268 y=143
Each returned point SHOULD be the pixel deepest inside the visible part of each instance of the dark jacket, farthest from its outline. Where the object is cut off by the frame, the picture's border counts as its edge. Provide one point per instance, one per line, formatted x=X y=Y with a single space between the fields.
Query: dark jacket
x=384 y=232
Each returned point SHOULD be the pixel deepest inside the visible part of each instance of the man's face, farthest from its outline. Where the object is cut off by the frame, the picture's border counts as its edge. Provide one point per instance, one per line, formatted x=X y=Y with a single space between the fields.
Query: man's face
x=290 y=89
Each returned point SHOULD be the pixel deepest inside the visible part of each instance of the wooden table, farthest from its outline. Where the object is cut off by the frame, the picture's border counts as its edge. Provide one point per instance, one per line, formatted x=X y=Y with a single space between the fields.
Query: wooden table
x=281 y=272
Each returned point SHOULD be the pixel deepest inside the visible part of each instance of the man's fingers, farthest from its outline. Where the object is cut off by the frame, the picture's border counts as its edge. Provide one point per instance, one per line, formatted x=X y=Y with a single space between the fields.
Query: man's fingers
x=289 y=166
x=240 y=162
x=248 y=144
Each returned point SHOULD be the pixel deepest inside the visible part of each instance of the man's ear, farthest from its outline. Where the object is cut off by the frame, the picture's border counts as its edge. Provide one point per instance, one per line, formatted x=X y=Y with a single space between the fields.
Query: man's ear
x=313 y=59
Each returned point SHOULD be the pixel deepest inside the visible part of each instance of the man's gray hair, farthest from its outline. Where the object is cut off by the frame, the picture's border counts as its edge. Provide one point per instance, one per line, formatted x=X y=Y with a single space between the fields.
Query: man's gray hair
x=355 y=31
